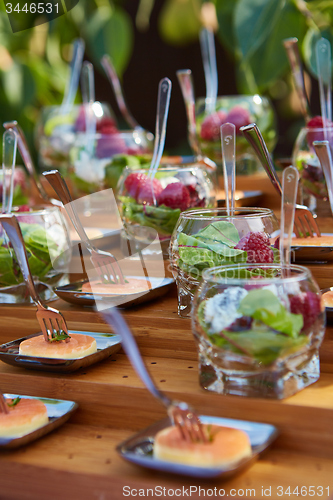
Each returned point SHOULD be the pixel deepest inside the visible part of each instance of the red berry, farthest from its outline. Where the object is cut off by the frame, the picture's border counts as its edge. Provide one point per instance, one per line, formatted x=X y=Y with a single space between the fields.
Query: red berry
x=315 y=122
x=239 y=117
x=106 y=125
x=175 y=195
x=318 y=135
x=148 y=191
x=195 y=201
x=210 y=127
x=134 y=182
x=257 y=246
x=23 y=208
x=308 y=304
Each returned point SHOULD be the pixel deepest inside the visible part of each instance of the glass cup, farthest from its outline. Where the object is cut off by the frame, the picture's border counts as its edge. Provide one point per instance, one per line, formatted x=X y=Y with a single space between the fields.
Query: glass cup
x=148 y=215
x=46 y=236
x=101 y=168
x=258 y=329
x=22 y=189
x=240 y=110
x=208 y=238
x=56 y=132
x=312 y=181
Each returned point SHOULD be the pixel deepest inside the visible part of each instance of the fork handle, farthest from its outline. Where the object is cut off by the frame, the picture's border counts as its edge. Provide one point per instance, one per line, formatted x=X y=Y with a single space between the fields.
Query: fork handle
x=113 y=78
x=27 y=160
x=14 y=233
x=119 y=325
x=185 y=80
x=59 y=185
x=255 y=139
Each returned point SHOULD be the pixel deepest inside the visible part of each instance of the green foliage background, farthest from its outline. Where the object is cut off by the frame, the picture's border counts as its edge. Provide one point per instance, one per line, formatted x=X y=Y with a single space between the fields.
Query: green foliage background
x=34 y=62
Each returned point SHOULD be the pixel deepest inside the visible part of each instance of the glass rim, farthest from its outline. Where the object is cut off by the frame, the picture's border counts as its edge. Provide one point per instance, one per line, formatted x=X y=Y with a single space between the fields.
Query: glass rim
x=317 y=129
x=36 y=211
x=302 y=274
x=222 y=212
x=179 y=167
x=233 y=96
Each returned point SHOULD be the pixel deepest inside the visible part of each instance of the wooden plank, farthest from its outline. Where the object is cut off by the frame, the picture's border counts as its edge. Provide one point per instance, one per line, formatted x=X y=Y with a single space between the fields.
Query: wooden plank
x=84 y=464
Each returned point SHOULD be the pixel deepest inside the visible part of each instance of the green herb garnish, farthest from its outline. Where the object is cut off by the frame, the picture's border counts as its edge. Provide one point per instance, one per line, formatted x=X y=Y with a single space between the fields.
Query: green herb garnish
x=14 y=401
x=59 y=336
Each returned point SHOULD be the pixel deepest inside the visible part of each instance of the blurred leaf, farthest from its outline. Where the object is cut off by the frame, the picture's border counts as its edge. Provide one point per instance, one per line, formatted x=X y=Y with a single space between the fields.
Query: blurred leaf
x=225 y=10
x=179 y=21
x=270 y=62
x=110 y=32
x=19 y=85
x=253 y=23
x=309 y=47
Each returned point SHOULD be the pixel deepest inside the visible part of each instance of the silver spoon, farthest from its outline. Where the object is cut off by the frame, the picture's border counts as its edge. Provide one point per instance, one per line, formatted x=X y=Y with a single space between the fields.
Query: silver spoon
x=74 y=76
x=207 y=43
x=290 y=178
x=163 y=101
x=324 y=70
x=88 y=97
x=291 y=46
x=9 y=148
x=228 y=142
x=28 y=163
x=113 y=78
x=186 y=85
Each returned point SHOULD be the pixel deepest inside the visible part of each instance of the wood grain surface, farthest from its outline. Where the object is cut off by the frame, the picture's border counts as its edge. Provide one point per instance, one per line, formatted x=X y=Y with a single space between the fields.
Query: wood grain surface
x=79 y=460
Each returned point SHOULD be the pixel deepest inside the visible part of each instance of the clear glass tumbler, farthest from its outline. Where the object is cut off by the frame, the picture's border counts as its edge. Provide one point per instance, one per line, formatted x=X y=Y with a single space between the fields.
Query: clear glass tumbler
x=205 y=238
x=258 y=329
x=312 y=181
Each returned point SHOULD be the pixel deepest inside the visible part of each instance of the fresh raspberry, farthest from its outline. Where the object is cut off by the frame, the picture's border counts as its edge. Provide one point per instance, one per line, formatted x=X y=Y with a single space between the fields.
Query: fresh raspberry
x=195 y=201
x=175 y=195
x=308 y=304
x=106 y=125
x=23 y=208
x=318 y=135
x=148 y=190
x=315 y=122
x=210 y=127
x=102 y=124
x=239 y=117
x=134 y=182
x=257 y=246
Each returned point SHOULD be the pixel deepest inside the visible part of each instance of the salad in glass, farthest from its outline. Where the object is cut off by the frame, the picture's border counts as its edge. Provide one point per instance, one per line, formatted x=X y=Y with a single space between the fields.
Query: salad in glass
x=208 y=238
x=151 y=208
x=46 y=237
x=312 y=180
x=240 y=110
x=258 y=329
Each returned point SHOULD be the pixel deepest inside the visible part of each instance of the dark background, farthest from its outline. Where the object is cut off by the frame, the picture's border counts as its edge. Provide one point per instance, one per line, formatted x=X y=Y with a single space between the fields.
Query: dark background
x=153 y=59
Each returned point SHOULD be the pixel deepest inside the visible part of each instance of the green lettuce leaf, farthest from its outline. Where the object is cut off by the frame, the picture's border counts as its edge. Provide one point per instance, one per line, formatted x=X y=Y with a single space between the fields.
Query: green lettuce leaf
x=220 y=232
x=264 y=346
x=262 y=305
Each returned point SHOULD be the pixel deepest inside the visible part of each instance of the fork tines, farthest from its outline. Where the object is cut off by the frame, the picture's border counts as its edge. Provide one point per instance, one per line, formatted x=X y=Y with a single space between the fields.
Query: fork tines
x=189 y=424
x=3 y=405
x=105 y=266
x=52 y=323
x=305 y=225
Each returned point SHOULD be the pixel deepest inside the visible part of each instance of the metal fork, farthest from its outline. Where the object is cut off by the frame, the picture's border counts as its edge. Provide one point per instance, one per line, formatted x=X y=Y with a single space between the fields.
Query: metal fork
x=3 y=404
x=305 y=224
x=181 y=414
x=51 y=321
x=105 y=263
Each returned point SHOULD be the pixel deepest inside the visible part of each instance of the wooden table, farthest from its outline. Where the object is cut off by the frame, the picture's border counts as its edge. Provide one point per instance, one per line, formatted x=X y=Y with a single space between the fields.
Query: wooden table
x=79 y=461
